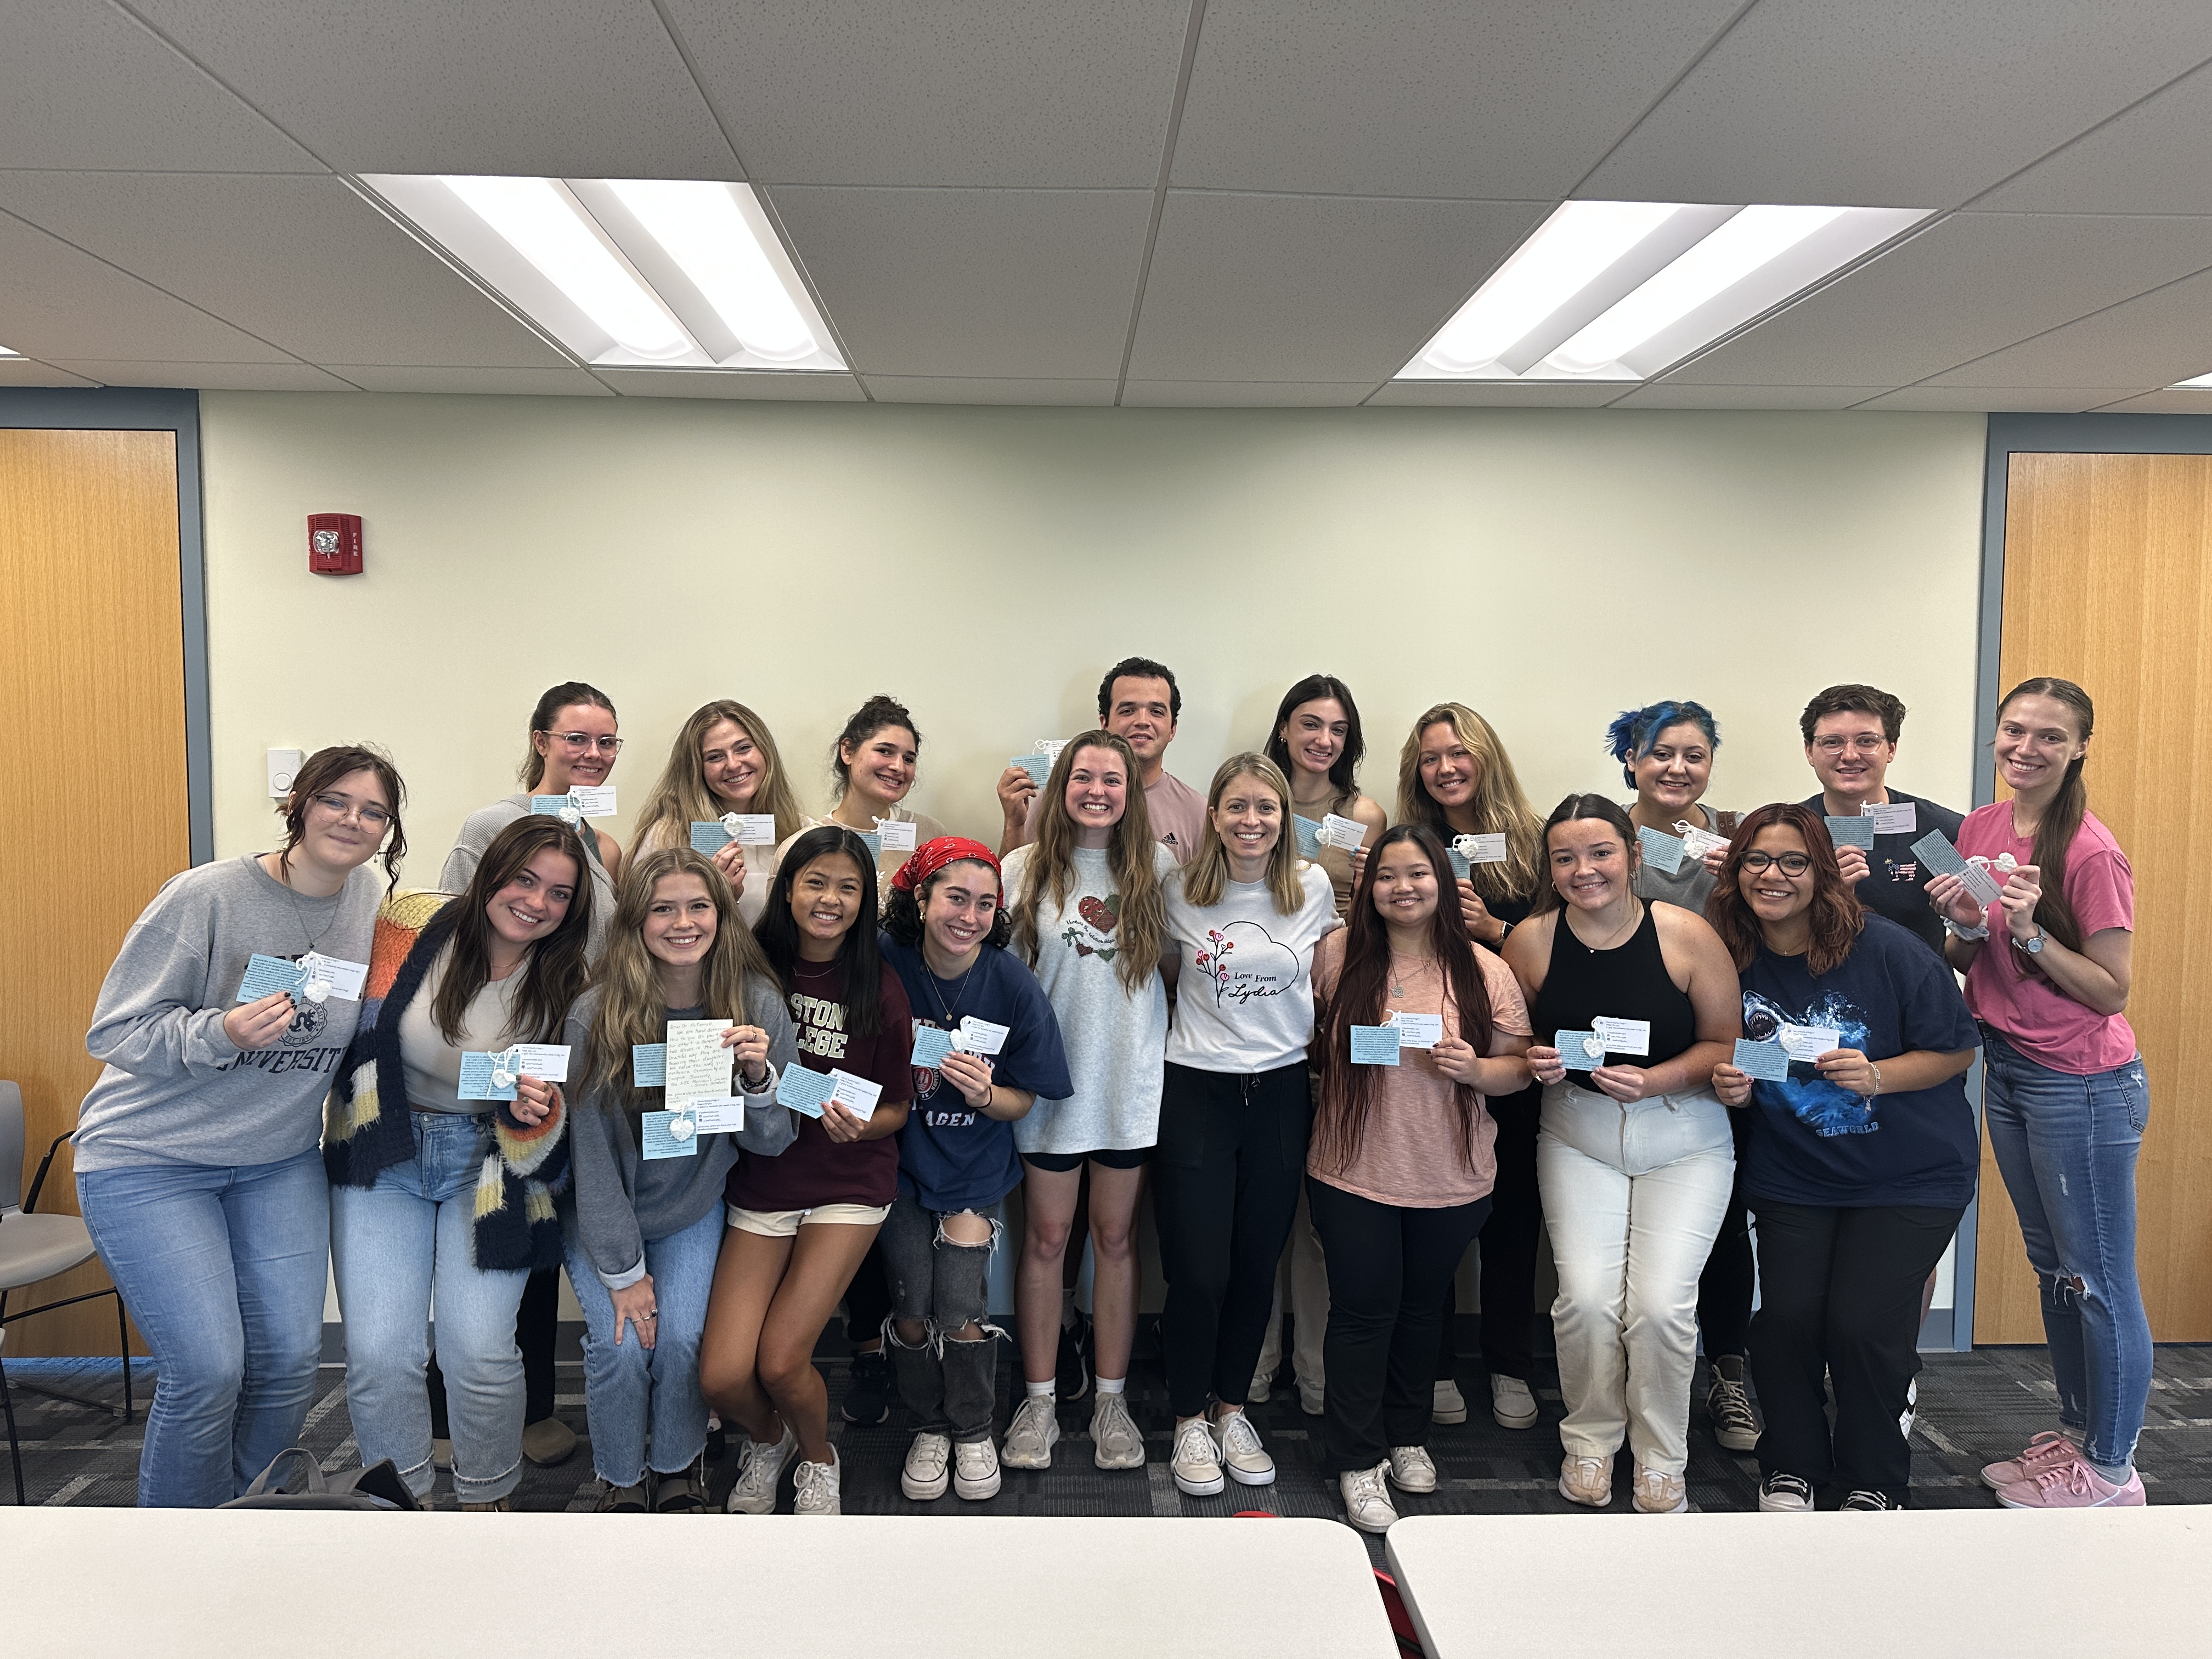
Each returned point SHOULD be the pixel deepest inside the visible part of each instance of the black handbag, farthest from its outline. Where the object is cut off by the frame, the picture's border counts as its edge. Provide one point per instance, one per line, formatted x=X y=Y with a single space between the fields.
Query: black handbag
x=303 y=1487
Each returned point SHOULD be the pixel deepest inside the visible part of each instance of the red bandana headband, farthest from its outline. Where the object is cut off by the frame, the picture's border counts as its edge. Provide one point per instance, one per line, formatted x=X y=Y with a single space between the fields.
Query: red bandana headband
x=932 y=856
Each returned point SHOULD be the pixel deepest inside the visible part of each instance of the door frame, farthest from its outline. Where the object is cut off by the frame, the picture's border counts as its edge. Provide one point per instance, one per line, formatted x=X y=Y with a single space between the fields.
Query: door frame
x=143 y=408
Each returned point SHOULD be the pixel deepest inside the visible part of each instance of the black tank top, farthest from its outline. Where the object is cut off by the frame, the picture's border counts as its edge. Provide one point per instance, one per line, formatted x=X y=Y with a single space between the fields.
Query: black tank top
x=1629 y=982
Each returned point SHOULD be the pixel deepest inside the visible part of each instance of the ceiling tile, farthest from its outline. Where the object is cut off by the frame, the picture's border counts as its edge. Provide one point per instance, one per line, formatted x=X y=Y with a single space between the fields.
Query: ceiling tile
x=2149 y=159
x=589 y=89
x=1496 y=98
x=719 y=383
x=377 y=377
x=23 y=371
x=1038 y=93
x=303 y=263
x=1896 y=103
x=1244 y=394
x=2145 y=343
x=59 y=302
x=1967 y=286
x=946 y=389
x=2162 y=403
x=1020 y=283
x=1492 y=394
x=82 y=85
x=1670 y=395
x=1311 y=288
x=212 y=377
x=2012 y=400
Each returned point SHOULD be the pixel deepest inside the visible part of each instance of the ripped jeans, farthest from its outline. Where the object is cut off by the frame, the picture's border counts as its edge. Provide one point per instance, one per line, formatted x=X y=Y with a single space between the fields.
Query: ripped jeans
x=2067 y=1147
x=949 y=1383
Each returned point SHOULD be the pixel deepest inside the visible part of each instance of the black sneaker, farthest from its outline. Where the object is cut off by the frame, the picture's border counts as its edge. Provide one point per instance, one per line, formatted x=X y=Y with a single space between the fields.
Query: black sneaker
x=1868 y=1500
x=1074 y=1380
x=868 y=1395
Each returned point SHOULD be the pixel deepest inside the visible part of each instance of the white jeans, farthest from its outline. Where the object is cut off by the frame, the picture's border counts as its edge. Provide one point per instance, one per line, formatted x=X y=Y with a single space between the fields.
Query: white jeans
x=1634 y=1197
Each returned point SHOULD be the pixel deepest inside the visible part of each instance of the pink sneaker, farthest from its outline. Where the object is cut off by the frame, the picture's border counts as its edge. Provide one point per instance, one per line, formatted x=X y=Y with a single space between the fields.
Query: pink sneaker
x=2072 y=1484
x=2046 y=1449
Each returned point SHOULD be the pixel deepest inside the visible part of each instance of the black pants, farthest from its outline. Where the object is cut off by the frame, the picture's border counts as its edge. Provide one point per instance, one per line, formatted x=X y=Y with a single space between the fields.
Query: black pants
x=1388 y=1269
x=1508 y=1265
x=1840 y=1303
x=536 y=1321
x=1724 y=1288
x=1225 y=1176
x=868 y=1297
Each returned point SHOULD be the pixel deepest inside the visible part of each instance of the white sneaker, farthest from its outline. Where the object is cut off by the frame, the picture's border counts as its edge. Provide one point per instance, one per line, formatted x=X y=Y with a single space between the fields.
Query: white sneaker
x=975 y=1470
x=759 y=1468
x=1449 y=1405
x=1241 y=1454
x=817 y=1488
x=1511 y=1403
x=1114 y=1441
x=1412 y=1468
x=1032 y=1434
x=1911 y=1407
x=1366 y=1503
x=1196 y=1465
x=927 y=1461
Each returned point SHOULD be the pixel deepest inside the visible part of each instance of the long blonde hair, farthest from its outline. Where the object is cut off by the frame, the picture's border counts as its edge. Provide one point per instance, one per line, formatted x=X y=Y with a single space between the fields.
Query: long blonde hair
x=1500 y=805
x=681 y=798
x=631 y=1008
x=1208 y=873
x=1131 y=857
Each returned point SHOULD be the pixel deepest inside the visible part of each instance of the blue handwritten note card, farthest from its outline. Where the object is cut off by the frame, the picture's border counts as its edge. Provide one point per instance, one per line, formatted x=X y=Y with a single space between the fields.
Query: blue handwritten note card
x=710 y=837
x=1039 y=767
x=1375 y=1045
x=266 y=974
x=1463 y=867
x=476 y=1077
x=931 y=1044
x=668 y=1134
x=1309 y=834
x=803 y=1090
x=1580 y=1051
x=1851 y=832
x=1661 y=850
x=875 y=843
x=1767 y=1061
x=648 y=1065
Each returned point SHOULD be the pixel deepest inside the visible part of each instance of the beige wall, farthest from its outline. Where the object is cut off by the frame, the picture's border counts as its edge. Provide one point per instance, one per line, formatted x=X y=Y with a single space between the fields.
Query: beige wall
x=1550 y=568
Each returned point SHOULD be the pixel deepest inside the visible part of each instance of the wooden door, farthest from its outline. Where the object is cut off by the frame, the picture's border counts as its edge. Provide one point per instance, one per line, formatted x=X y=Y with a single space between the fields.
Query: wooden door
x=2108 y=582
x=92 y=688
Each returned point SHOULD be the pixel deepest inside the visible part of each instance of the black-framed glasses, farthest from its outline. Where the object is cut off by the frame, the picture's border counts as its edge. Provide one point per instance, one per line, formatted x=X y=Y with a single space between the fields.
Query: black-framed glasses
x=369 y=817
x=579 y=741
x=1792 y=864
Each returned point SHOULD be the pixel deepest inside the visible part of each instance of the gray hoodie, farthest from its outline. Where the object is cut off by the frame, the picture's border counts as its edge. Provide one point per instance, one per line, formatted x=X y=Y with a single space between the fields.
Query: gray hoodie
x=177 y=1090
x=621 y=1200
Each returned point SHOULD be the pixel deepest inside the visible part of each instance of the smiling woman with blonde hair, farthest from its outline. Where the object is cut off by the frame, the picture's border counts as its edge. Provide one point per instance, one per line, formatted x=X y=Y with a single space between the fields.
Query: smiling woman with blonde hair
x=724 y=760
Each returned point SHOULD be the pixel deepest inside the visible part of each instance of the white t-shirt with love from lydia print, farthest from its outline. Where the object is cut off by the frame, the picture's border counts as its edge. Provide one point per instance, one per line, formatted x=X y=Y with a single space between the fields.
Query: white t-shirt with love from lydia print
x=1245 y=1001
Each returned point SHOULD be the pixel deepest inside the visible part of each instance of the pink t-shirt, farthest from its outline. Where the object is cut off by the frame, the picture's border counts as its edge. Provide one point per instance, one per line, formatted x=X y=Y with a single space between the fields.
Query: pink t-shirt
x=1408 y=1154
x=2040 y=1020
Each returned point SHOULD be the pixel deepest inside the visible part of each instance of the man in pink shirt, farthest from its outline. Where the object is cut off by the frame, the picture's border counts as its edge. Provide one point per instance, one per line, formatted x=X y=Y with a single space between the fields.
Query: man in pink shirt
x=1140 y=703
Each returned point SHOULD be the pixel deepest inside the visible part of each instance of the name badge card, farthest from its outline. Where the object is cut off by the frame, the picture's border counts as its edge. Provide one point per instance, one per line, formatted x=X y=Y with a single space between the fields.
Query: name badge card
x=1698 y=842
x=1038 y=766
x=563 y=808
x=668 y=1134
x=1897 y=817
x=1935 y=850
x=1309 y=834
x=1580 y=1051
x=896 y=834
x=930 y=1045
x=594 y=801
x=1661 y=850
x=648 y=1064
x=335 y=975
x=802 y=1090
x=750 y=829
x=546 y=1061
x=1418 y=1031
x=1767 y=1061
x=266 y=975
x=1853 y=832
x=857 y=1095
x=486 y=1077
x=724 y=1116
x=1050 y=747
x=980 y=1036
x=1807 y=1042
x=710 y=837
x=698 y=1064
x=1623 y=1037
x=1374 y=1045
x=1344 y=834
x=1480 y=849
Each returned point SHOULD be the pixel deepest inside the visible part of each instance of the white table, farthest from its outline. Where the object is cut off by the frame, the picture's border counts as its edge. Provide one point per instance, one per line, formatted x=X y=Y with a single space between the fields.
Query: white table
x=1926 y=1583
x=179 y=1584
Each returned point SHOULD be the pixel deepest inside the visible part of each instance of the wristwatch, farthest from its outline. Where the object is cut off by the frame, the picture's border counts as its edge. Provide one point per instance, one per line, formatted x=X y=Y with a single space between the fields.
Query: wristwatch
x=2033 y=946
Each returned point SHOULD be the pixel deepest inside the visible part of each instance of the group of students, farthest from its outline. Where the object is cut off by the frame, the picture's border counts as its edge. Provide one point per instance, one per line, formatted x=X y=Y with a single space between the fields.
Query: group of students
x=1136 y=978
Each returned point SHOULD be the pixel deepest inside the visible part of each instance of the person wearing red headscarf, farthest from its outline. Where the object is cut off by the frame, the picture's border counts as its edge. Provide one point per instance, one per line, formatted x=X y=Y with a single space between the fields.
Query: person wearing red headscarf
x=943 y=934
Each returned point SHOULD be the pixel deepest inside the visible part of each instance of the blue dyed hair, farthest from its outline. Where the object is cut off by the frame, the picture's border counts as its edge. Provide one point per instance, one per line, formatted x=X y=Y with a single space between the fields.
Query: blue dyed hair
x=1630 y=737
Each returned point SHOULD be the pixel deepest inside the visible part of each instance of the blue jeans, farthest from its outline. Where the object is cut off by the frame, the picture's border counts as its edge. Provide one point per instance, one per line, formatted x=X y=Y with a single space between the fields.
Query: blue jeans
x=402 y=1250
x=633 y=1394
x=223 y=1269
x=2067 y=1146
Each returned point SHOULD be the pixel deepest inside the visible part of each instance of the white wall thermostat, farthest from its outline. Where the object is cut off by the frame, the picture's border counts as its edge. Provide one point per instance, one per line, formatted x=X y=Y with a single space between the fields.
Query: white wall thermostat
x=284 y=767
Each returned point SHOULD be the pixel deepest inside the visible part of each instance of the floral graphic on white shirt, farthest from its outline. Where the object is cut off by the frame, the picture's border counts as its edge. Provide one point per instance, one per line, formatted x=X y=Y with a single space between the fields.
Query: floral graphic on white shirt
x=1247 y=961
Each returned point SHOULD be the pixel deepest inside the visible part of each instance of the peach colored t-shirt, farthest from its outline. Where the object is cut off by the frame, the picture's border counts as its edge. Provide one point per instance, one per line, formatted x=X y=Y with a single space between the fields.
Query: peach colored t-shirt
x=1409 y=1155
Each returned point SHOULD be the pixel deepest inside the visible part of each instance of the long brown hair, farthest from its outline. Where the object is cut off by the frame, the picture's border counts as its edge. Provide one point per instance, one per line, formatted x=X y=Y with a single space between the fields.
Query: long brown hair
x=1500 y=805
x=1208 y=873
x=570 y=694
x=680 y=797
x=555 y=975
x=1837 y=916
x=631 y=1009
x=2061 y=819
x=1347 y=1091
x=1130 y=861
x=879 y=711
x=322 y=770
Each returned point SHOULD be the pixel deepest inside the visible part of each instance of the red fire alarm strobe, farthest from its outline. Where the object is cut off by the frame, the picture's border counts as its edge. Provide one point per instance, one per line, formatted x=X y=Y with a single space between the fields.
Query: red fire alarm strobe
x=334 y=544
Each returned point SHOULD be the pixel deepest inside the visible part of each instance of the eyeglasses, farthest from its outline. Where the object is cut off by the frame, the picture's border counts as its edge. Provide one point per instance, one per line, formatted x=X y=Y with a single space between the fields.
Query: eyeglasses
x=1792 y=864
x=1866 y=742
x=369 y=817
x=579 y=741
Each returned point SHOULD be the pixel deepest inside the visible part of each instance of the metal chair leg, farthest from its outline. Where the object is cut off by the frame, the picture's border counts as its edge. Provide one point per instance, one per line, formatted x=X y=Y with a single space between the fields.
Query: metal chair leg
x=123 y=1346
x=15 y=1448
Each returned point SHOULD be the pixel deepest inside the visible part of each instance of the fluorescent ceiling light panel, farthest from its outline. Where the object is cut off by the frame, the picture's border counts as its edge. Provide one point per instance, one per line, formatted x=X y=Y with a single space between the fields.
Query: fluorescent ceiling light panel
x=629 y=273
x=2201 y=383
x=1622 y=290
x=5 y=352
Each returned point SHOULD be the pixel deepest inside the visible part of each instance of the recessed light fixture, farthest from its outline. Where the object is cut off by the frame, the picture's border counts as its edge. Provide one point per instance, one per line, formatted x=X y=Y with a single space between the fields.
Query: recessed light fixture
x=2201 y=383
x=1621 y=290
x=629 y=273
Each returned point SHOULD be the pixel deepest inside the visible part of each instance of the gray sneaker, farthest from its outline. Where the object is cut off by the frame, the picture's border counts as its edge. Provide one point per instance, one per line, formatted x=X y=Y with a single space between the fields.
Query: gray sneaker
x=1032 y=1434
x=1726 y=1402
x=817 y=1488
x=759 y=1468
x=1241 y=1454
x=1115 y=1444
x=1196 y=1464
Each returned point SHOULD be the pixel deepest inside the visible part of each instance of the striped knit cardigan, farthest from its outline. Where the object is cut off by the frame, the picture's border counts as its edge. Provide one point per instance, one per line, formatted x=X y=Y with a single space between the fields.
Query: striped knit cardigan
x=367 y=1128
